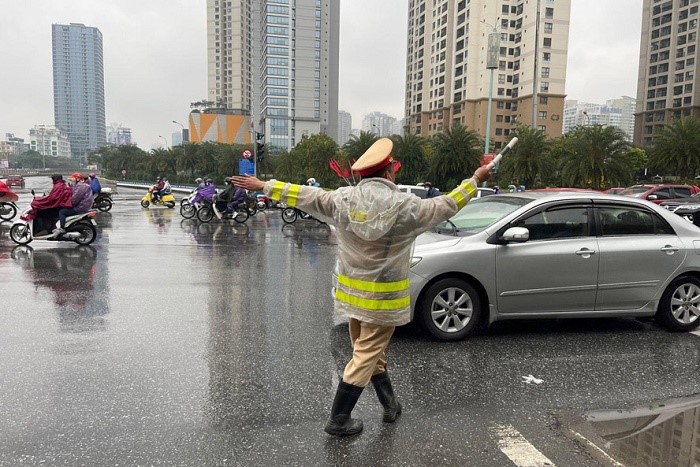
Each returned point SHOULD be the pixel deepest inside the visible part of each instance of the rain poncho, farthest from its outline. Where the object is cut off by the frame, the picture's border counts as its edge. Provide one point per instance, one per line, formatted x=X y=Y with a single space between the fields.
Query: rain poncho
x=376 y=226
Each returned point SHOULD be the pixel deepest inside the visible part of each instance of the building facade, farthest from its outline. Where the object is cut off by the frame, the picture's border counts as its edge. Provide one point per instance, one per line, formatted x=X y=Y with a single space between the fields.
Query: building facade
x=276 y=62
x=344 y=127
x=447 y=80
x=666 y=83
x=379 y=123
x=48 y=140
x=78 y=86
x=118 y=135
x=618 y=113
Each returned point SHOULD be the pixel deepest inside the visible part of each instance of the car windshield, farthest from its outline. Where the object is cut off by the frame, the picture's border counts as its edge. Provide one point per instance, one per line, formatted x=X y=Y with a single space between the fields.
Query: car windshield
x=635 y=191
x=480 y=213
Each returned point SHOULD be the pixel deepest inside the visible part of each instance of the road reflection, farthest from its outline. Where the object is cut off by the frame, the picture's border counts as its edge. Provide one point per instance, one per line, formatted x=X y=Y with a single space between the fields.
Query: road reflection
x=70 y=275
x=665 y=433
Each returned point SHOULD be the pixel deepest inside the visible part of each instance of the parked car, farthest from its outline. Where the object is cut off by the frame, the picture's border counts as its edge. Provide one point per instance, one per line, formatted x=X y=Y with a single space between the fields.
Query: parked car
x=660 y=193
x=555 y=255
x=421 y=191
x=15 y=180
x=687 y=208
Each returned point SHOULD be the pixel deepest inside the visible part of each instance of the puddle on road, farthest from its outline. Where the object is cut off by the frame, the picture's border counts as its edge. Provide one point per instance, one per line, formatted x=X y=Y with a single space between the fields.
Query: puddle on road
x=664 y=434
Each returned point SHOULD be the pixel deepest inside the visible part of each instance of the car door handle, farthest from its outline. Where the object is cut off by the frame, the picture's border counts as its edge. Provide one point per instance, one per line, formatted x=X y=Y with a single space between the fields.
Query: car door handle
x=669 y=249
x=585 y=252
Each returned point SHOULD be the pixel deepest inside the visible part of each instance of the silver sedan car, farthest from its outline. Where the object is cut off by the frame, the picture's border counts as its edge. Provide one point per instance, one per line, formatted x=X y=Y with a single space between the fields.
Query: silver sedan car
x=556 y=255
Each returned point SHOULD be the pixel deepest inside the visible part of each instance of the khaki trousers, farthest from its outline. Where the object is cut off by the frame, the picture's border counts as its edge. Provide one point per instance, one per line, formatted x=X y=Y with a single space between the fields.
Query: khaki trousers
x=369 y=344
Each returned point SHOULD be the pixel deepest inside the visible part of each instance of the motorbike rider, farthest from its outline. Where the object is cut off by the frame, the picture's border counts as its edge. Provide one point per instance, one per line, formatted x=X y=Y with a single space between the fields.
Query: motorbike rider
x=376 y=229
x=95 y=184
x=6 y=194
x=45 y=208
x=312 y=182
x=432 y=191
x=81 y=202
x=156 y=189
x=200 y=183
x=237 y=198
x=205 y=193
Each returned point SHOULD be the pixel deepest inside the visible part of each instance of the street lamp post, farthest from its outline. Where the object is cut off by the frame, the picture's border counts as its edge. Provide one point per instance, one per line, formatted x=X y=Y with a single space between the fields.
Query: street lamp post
x=491 y=64
x=585 y=114
x=183 y=132
x=379 y=132
x=165 y=140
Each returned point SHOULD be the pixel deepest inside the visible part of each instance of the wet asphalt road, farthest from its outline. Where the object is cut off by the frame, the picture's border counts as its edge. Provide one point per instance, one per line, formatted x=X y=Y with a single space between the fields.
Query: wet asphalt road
x=170 y=342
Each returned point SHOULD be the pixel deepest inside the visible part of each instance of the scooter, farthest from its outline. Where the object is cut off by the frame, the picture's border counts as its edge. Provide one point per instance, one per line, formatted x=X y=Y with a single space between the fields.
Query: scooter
x=103 y=200
x=79 y=229
x=166 y=199
x=218 y=208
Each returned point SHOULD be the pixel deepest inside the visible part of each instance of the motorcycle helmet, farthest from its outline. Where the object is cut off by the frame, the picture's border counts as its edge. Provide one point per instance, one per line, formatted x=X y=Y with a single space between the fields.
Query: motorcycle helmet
x=92 y=175
x=76 y=176
x=208 y=181
x=198 y=180
x=311 y=181
x=55 y=177
x=159 y=179
x=227 y=180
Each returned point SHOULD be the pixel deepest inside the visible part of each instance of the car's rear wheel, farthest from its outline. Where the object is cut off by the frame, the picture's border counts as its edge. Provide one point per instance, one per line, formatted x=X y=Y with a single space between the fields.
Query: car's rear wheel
x=449 y=309
x=679 y=308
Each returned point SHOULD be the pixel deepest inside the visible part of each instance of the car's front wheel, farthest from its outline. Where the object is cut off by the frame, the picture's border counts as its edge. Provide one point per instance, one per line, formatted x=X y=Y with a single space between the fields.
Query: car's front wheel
x=679 y=308
x=449 y=309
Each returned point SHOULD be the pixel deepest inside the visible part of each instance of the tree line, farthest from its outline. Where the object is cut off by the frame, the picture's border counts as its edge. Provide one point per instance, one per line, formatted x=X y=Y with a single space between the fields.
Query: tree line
x=593 y=156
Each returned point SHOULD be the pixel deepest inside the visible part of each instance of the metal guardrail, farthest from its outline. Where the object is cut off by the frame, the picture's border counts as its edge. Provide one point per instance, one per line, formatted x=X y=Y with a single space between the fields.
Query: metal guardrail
x=176 y=188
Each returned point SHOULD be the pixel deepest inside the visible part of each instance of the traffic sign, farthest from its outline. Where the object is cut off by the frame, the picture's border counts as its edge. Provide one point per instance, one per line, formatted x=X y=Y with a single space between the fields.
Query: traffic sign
x=247 y=154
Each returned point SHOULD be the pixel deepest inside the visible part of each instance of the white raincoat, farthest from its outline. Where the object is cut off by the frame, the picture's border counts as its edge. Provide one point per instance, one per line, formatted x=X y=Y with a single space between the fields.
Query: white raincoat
x=376 y=226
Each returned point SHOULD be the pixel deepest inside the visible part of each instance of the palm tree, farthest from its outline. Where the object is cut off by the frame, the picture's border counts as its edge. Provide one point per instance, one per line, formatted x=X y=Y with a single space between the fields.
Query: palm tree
x=411 y=150
x=596 y=156
x=357 y=145
x=676 y=147
x=529 y=161
x=457 y=153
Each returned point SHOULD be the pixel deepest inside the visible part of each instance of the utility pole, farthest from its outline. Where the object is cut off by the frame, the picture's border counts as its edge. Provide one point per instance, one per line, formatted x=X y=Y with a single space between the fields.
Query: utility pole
x=534 y=70
x=491 y=65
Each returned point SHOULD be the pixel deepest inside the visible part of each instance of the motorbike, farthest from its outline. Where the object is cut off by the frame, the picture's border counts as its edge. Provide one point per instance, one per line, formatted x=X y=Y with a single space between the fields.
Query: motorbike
x=188 y=208
x=8 y=210
x=263 y=202
x=218 y=208
x=166 y=199
x=79 y=229
x=103 y=200
x=290 y=215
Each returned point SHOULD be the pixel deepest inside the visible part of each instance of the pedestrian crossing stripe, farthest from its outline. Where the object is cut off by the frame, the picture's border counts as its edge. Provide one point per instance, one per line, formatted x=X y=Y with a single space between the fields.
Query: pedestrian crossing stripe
x=518 y=449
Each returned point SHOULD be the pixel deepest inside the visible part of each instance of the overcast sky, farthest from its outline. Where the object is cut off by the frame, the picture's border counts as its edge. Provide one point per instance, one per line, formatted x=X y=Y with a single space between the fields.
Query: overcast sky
x=155 y=58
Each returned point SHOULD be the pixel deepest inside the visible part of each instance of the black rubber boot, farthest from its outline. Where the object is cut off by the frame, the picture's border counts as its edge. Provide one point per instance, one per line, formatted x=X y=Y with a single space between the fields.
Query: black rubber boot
x=385 y=393
x=340 y=423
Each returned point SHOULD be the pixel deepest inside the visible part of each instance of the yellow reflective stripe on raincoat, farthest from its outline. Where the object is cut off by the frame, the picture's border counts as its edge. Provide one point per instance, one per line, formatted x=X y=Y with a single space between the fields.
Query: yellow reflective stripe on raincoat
x=370 y=304
x=459 y=196
x=368 y=286
x=292 y=193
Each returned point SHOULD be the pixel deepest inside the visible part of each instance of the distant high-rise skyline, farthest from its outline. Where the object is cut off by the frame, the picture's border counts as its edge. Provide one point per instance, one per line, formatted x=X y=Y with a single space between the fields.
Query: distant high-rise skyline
x=618 y=113
x=276 y=64
x=379 y=123
x=118 y=135
x=78 y=86
x=447 y=80
x=344 y=127
x=667 y=86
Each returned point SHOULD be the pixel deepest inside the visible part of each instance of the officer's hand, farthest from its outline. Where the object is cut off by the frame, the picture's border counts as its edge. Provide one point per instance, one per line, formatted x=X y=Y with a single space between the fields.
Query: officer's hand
x=248 y=183
x=482 y=174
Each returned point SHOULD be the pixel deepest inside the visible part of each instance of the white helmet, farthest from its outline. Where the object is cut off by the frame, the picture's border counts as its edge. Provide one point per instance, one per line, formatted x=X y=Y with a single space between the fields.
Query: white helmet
x=310 y=181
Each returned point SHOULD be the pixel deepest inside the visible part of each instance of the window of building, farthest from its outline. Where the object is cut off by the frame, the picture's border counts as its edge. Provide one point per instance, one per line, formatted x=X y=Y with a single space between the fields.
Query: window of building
x=544 y=86
x=545 y=72
x=549 y=13
x=542 y=114
x=547 y=43
x=548 y=28
x=544 y=100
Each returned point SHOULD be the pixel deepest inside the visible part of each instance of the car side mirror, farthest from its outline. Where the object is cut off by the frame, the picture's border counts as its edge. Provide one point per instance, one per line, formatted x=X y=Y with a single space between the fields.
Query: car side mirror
x=652 y=197
x=516 y=235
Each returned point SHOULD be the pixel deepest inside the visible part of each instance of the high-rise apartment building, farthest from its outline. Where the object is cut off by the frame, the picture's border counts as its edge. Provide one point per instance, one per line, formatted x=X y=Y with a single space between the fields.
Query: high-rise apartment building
x=379 y=123
x=447 y=80
x=276 y=62
x=78 y=86
x=615 y=112
x=666 y=83
x=118 y=135
x=344 y=127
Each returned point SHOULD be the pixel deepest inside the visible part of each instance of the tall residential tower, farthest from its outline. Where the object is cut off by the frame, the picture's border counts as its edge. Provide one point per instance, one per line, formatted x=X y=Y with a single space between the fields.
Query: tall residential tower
x=78 y=86
x=666 y=83
x=447 y=81
x=277 y=62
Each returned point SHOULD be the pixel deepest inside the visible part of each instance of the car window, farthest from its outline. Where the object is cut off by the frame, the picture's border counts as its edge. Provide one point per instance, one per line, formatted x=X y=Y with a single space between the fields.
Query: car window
x=662 y=193
x=480 y=213
x=566 y=222
x=682 y=192
x=615 y=221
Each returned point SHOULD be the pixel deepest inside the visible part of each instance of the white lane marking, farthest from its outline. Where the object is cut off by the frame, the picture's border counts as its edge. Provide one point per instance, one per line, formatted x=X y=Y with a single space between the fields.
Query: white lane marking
x=599 y=451
x=518 y=449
